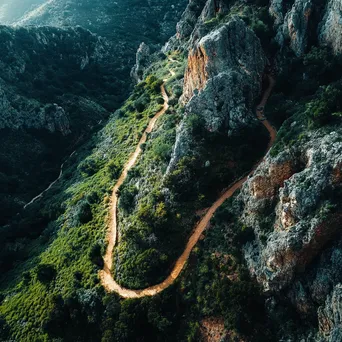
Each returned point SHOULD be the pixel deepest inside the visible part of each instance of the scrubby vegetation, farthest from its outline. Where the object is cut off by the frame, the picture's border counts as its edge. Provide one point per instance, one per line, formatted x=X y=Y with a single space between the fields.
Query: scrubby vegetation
x=67 y=252
x=314 y=102
x=158 y=207
x=53 y=251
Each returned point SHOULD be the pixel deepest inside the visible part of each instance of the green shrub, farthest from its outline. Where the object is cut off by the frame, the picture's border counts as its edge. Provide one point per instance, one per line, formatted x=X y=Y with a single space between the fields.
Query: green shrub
x=160 y=100
x=84 y=212
x=328 y=101
x=89 y=167
x=127 y=196
x=114 y=169
x=141 y=104
x=45 y=273
x=162 y=151
x=95 y=255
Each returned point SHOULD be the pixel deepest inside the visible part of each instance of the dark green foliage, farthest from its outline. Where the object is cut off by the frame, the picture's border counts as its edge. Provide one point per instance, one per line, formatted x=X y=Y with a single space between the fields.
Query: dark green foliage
x=217 y=284
x=45 y=273
x=127 y=196
x=163 y=151
x=81 y=213
x=113 y=168
x=4 y=329
x=141 y=103
x=89 y=167
x=326 y=106
x=75 y=318
x=315 y=100
x=321 y=64
x=246 y=234
x=84 y=212
x=95 y=255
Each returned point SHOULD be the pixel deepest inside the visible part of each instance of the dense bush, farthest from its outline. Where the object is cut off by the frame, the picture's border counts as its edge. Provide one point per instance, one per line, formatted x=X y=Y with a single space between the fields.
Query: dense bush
x=46 y=273
x=89 y=167
x=326 y=105
x=95 y=255
x=127 y=196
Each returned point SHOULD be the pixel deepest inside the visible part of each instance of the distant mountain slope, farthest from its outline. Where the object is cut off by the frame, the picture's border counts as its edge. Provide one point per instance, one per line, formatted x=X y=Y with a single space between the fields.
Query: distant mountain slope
x=61 y=80
x=127 y=22
x=55 y=86
x=13 y=10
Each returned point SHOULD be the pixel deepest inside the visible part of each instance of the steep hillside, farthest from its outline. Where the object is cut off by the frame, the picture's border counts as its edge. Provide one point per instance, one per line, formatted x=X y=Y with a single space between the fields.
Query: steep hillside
x=11 y=11
x=237 y=122
x=56 y=86
x=127 y=23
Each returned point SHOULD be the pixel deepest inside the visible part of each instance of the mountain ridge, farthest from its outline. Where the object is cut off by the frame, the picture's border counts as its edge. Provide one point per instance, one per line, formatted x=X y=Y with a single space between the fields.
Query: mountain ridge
x=267 y=267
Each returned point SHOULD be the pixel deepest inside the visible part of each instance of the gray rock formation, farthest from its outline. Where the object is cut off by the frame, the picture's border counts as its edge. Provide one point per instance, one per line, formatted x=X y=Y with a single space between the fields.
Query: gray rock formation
x=329 y=317
x=293 y=25
x=142 y=62
x=331 y=26
x=296 y=25
x=186 y=25
x=222 y=80
x=305 y=221
x=56 y=119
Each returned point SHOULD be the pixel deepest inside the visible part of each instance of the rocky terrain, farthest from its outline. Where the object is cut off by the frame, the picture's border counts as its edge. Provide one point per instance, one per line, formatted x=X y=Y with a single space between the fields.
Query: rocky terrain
x=58 y=83
x=268 y=266
x=48 y=103
x=126 y=23
x=292 y=202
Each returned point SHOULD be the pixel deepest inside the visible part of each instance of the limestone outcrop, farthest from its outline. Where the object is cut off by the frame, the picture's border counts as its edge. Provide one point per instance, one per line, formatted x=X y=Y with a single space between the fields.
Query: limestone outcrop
x=142 y=61
x=304 y=221
x=330 y=31
x=222 y=80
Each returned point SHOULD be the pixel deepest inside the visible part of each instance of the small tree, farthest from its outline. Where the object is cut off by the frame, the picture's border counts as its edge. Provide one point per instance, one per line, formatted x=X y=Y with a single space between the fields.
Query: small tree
x=95 y=255
x=46 y=273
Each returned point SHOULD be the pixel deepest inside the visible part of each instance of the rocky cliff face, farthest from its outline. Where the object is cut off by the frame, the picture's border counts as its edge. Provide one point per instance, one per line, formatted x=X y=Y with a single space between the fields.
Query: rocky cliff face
x=329 y=316
x=292 y=202
x=224 y=64
x=330 y=28
x=143 y=60
x=293 y=184
x=52 y=94
x=307 y=20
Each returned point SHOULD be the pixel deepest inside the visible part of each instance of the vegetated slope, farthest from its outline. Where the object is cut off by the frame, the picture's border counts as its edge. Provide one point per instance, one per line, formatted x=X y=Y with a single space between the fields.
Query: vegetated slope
x=267 y=268
x=56 y=86
x=55 y=92
x=12 y=10
x=125 y=22
x=81 y=203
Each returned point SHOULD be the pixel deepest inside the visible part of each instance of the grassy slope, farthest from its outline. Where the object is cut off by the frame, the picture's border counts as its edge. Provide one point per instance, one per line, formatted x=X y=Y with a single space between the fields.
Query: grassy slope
x=81 y=224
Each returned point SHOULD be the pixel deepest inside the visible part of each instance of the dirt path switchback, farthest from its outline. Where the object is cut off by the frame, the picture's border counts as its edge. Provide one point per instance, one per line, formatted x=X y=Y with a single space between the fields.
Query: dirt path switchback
x=106 y=277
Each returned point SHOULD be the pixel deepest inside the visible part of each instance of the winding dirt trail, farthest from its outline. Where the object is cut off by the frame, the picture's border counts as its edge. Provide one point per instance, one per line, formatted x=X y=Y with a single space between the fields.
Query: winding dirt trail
x=105 y=275
x=51 y=185
x=107 y=279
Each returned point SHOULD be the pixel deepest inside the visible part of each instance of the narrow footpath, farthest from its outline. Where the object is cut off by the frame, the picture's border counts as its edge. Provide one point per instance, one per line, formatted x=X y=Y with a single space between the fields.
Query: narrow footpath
x=51 y=184
x=106 y=277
